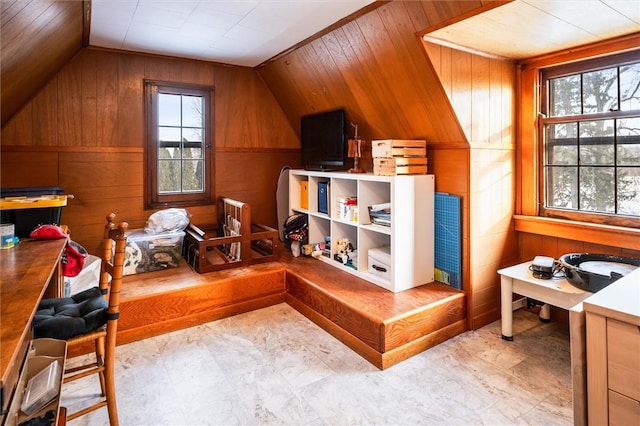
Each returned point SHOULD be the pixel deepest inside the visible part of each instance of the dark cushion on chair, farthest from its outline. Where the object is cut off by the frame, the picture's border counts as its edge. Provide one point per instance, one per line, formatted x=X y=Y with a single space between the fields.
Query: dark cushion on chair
x=67 y=317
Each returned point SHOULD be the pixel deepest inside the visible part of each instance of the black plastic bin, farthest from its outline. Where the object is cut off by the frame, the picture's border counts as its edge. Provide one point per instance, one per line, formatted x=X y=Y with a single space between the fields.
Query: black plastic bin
x=25 y=220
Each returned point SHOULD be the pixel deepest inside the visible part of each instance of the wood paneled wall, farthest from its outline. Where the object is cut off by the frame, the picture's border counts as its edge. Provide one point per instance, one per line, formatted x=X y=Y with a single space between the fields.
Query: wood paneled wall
x=393 y=87
x=376 y=69
x=38 y=37
x=482 y=92
x=84 y=131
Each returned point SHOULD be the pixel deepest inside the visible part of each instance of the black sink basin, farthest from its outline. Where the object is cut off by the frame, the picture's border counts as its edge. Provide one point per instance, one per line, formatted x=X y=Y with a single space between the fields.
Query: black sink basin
x=593 y=272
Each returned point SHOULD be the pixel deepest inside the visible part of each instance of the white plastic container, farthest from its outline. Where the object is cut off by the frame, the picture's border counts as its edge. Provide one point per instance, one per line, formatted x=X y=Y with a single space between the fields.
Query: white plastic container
x=152 y=252
x=379 y=262
x=42 y=388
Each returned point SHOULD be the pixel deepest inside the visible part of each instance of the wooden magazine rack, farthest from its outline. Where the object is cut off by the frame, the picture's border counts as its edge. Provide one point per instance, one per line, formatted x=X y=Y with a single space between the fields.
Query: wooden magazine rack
x=234 y=242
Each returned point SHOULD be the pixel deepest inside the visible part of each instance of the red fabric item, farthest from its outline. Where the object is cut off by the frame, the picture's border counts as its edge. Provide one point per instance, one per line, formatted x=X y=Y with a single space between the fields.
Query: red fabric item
x=48 y=232
x=73 y=259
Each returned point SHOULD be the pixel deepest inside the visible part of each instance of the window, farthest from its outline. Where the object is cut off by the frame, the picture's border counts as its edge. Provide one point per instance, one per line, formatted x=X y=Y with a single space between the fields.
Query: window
x=591 y=139
x=178 y=151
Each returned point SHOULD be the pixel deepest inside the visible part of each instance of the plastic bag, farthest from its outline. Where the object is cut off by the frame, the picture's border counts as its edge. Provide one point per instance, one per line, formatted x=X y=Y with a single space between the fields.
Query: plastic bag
x=167 y=220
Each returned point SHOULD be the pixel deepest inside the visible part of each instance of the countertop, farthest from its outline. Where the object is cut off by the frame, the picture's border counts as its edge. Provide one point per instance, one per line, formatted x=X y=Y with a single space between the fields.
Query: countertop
x=620 y=300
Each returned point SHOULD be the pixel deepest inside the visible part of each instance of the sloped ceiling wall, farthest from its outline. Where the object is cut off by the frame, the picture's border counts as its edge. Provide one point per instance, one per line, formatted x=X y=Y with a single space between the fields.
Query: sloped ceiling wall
x=38 y=38
x=375 y=68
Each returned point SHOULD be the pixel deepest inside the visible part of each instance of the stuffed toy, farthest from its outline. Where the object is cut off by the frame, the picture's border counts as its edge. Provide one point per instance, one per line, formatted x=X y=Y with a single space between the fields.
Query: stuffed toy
x=343 y=248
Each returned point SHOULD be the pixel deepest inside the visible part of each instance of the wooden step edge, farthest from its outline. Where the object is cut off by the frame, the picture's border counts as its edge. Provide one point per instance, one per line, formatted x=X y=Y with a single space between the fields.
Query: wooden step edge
x=362 y=313
x=421 y=309
x=397 y=355
x=358 y=346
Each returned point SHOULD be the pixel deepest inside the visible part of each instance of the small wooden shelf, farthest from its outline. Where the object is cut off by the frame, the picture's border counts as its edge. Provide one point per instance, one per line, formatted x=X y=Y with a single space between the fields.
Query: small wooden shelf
x=234 y=242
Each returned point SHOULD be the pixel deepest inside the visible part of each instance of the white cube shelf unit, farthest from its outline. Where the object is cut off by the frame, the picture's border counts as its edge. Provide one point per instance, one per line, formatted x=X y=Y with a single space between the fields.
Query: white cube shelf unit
x=410 y=236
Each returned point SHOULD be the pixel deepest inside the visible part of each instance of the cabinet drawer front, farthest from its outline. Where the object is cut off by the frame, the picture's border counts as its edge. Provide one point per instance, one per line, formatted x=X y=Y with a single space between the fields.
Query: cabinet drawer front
x=623 y=410
x=623 y=349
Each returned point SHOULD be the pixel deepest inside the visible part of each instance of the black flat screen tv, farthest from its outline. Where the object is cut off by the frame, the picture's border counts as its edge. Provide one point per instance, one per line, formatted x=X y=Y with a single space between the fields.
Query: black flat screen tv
x=323 y=140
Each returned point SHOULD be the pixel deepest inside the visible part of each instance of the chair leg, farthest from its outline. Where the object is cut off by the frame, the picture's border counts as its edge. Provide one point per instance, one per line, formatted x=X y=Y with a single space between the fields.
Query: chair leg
x=110 y=386
x=100 y=354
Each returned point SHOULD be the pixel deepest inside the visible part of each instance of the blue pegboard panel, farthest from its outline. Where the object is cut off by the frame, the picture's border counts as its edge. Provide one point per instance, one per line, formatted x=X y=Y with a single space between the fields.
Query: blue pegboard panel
x=448 y=240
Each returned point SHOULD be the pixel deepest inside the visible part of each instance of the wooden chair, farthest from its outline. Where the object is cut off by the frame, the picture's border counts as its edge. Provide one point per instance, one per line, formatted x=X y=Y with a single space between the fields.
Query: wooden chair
x=105 y=337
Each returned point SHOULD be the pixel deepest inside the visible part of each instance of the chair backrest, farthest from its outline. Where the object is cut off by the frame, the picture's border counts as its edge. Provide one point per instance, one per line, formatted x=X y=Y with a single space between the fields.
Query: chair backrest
x=112 y=268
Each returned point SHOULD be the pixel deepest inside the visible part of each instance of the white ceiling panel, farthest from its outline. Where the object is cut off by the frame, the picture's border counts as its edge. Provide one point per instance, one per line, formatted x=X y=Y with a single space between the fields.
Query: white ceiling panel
x=527 y=28
x=238 y=32
x=250 y=32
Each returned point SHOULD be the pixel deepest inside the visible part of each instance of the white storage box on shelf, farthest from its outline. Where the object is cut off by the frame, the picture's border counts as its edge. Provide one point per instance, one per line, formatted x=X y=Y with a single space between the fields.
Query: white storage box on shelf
x=380 y=262
x=152 y=252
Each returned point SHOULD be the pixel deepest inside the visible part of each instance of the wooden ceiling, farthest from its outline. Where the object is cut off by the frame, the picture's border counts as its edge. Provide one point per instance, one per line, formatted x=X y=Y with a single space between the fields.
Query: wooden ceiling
x=38 y=38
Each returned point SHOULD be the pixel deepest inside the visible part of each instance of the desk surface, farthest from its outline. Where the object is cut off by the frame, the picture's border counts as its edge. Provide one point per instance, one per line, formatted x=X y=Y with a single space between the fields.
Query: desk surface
x=521 y=272
x=25 y=272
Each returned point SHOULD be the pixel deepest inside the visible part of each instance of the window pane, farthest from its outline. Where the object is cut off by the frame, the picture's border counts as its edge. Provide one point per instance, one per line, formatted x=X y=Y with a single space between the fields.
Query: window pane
x=630 y=87
x=169 y=176
x=191 y=135
x=597 y=189
x=596 y=142
x=629 y=191
x=193 y=152
x=564 y=96
x=193 y=176
x=562 y=144
x=169 y=152
x=600 y=90
x=562 y=187
x=629 y=141
x=192 y=111
x=169 y=134
x=168 y=109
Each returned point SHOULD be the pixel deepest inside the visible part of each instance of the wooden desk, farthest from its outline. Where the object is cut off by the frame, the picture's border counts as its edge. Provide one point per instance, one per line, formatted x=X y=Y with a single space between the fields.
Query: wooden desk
x=25 y=273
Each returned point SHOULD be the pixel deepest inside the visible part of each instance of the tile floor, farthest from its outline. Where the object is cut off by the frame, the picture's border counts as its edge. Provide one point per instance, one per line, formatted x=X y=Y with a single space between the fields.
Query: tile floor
x=275 y=367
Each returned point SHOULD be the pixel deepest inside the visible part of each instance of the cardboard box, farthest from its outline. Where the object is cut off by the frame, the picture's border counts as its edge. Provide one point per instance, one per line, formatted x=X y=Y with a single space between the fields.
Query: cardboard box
x=389 y=148
x=379 y=262
x=152 y=252
x=400 y=166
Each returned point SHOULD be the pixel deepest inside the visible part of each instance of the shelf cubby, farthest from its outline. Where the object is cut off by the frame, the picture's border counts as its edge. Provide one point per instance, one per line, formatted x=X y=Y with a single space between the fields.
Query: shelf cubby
x=409 y=236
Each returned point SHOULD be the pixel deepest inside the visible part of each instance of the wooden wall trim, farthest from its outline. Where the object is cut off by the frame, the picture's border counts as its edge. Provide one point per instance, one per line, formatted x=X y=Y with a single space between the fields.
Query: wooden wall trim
x=617 y=44
x=258 y=150
x=110 y=149
x=615 y=236
x=85 y=149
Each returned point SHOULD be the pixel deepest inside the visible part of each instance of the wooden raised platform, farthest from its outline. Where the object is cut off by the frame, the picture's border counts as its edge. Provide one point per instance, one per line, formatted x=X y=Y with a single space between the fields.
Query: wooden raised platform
x=383 y=327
